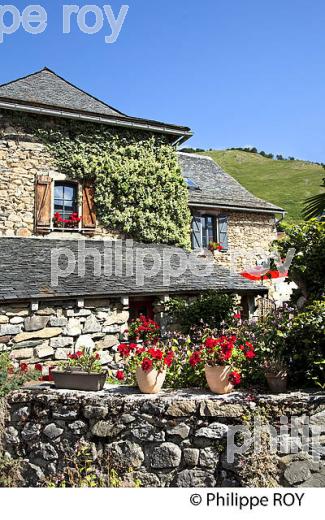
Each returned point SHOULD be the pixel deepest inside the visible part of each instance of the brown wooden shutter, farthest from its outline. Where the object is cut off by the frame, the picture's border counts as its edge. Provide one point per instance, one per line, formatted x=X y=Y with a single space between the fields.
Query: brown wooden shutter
x=43 y=203
x=88 y=207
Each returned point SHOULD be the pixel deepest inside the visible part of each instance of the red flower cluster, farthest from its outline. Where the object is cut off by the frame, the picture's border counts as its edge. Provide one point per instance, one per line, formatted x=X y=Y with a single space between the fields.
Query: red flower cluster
x=77 y=355
x=234 y=378
x=23 y=367
x=146 y=364
x=214 y=246
x=49 y=377
x=120 y=375
x=148 y=357
x=195 y=359
x=144 y=328
x=224 y=350
x=73 y=220
x=248 y=350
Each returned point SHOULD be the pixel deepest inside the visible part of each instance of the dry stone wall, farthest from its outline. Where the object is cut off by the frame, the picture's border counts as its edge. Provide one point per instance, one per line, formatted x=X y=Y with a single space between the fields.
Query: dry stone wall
x=174 y=439
x=50 y=333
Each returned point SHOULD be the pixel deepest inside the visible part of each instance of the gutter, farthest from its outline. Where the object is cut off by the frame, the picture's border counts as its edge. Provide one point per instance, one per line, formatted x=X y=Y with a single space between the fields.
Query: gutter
x=183 y=134
x=238 y=208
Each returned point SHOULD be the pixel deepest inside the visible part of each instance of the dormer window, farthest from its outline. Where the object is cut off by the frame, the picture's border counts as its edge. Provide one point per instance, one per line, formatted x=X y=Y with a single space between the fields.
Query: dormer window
x=191 y=184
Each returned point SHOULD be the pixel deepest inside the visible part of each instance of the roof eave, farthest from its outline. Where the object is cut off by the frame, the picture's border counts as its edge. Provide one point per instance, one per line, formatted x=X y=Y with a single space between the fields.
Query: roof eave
x=232 y=207
x=129 y=122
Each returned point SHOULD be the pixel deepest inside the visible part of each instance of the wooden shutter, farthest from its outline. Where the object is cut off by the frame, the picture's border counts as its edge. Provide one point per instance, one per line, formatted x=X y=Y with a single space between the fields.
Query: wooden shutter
x=196 y=232
x=88 y=208
x=223 y=231
x=43 y=203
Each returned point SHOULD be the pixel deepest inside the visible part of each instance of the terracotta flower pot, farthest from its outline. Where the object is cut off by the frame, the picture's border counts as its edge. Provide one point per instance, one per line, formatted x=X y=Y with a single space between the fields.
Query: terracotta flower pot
x=277 y=382
x=79 y=380
x=217 y=379
x=150 y=382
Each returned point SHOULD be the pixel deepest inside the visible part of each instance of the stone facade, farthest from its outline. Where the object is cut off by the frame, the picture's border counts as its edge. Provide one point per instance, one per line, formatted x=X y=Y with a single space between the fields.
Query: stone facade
x=23 y=157
x=55 y=329
x=250 y=236
x=174 y=439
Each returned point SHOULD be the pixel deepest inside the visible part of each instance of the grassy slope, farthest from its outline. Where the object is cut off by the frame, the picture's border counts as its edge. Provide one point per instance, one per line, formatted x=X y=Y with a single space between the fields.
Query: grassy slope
x=285 y=183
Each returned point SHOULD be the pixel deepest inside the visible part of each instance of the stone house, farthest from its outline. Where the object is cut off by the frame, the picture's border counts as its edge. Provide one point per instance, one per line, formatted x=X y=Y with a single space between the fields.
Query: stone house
x=44 y=318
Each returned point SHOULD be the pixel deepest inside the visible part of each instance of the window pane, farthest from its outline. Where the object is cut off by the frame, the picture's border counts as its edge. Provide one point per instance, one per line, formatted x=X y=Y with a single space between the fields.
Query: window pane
x=69 y=193
x=58 y=192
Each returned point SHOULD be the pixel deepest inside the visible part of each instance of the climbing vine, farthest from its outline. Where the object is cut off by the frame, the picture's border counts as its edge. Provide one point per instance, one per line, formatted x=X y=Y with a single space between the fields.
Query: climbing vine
x=139 y=188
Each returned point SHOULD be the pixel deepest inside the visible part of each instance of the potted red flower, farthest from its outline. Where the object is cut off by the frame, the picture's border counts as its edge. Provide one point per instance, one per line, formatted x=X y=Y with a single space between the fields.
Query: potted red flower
x=214 y=246
x=222 y=358
x=70 y=222
x=144 y=329
x=82 y=371
x=149 y=364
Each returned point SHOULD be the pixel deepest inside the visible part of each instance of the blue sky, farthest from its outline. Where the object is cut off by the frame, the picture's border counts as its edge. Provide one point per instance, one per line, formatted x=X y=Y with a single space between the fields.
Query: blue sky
x=238 y=72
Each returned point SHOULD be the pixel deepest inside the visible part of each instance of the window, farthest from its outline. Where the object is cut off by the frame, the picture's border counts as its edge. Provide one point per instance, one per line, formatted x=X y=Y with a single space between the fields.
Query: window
x=191 y=184
x=65 y=199
x=209 y=230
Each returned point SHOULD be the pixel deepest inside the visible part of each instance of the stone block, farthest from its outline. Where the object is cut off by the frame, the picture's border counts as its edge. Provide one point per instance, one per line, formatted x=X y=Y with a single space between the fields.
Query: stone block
x=167 y=455
x=34 y=323
x=41 y=334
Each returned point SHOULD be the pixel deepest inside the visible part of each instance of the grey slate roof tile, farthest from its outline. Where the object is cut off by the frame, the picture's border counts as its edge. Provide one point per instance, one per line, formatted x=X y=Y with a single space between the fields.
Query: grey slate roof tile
x=47 y=89
x=25 y=271
x=218 y=188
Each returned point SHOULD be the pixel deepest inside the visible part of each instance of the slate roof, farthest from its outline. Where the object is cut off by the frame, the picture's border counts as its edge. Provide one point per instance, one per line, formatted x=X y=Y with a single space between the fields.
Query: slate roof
x=48 y=90
x=25 y=270
x=216 y=187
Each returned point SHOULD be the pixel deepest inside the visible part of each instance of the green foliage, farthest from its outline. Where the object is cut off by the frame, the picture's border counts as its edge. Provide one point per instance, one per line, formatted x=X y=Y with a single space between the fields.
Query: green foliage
x=139 y=189
x=181 y=374
x=308 y=267
x=11 y=379
x=315 y=206
x=80 y=471
x=305 y=345
x=210 y=309
x=10 y=476
x=85 y=361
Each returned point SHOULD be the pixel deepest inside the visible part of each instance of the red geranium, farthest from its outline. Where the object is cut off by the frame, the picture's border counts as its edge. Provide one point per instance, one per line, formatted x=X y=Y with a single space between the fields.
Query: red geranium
x=146 y=365
x=38 y=367
x=23 y=367
x=120 y=375
x=195 y=359
x=234 y=378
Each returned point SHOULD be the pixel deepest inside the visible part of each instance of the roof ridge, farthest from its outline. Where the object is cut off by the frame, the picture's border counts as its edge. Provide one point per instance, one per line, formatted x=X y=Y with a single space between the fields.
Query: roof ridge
x=46 y=69
x=198 y=156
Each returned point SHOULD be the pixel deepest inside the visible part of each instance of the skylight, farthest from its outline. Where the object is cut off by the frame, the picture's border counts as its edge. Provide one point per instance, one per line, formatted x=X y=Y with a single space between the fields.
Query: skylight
x=191 y=184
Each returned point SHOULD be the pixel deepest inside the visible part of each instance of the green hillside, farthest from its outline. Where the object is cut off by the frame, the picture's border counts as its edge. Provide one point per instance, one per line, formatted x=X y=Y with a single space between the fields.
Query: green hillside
x=285 y=183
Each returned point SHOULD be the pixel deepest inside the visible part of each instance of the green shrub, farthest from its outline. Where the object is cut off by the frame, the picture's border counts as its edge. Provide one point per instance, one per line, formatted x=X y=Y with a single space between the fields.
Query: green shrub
x=305 y=345
x=210 y=309
x=308 y=266
x=11 y=378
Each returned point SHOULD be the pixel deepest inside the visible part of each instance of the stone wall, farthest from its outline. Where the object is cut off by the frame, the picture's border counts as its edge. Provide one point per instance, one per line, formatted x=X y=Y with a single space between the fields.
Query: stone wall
x=250 y=236
x=174 y=439
x=49 y=334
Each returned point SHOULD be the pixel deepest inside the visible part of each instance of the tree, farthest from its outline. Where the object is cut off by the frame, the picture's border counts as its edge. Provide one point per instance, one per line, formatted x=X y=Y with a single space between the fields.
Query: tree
x=308 y=266
x=280 y=157
x=315 y=206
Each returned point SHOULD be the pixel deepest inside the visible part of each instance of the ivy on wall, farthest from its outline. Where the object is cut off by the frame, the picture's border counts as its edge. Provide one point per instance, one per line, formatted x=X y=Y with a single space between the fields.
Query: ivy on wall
x=139 y=188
